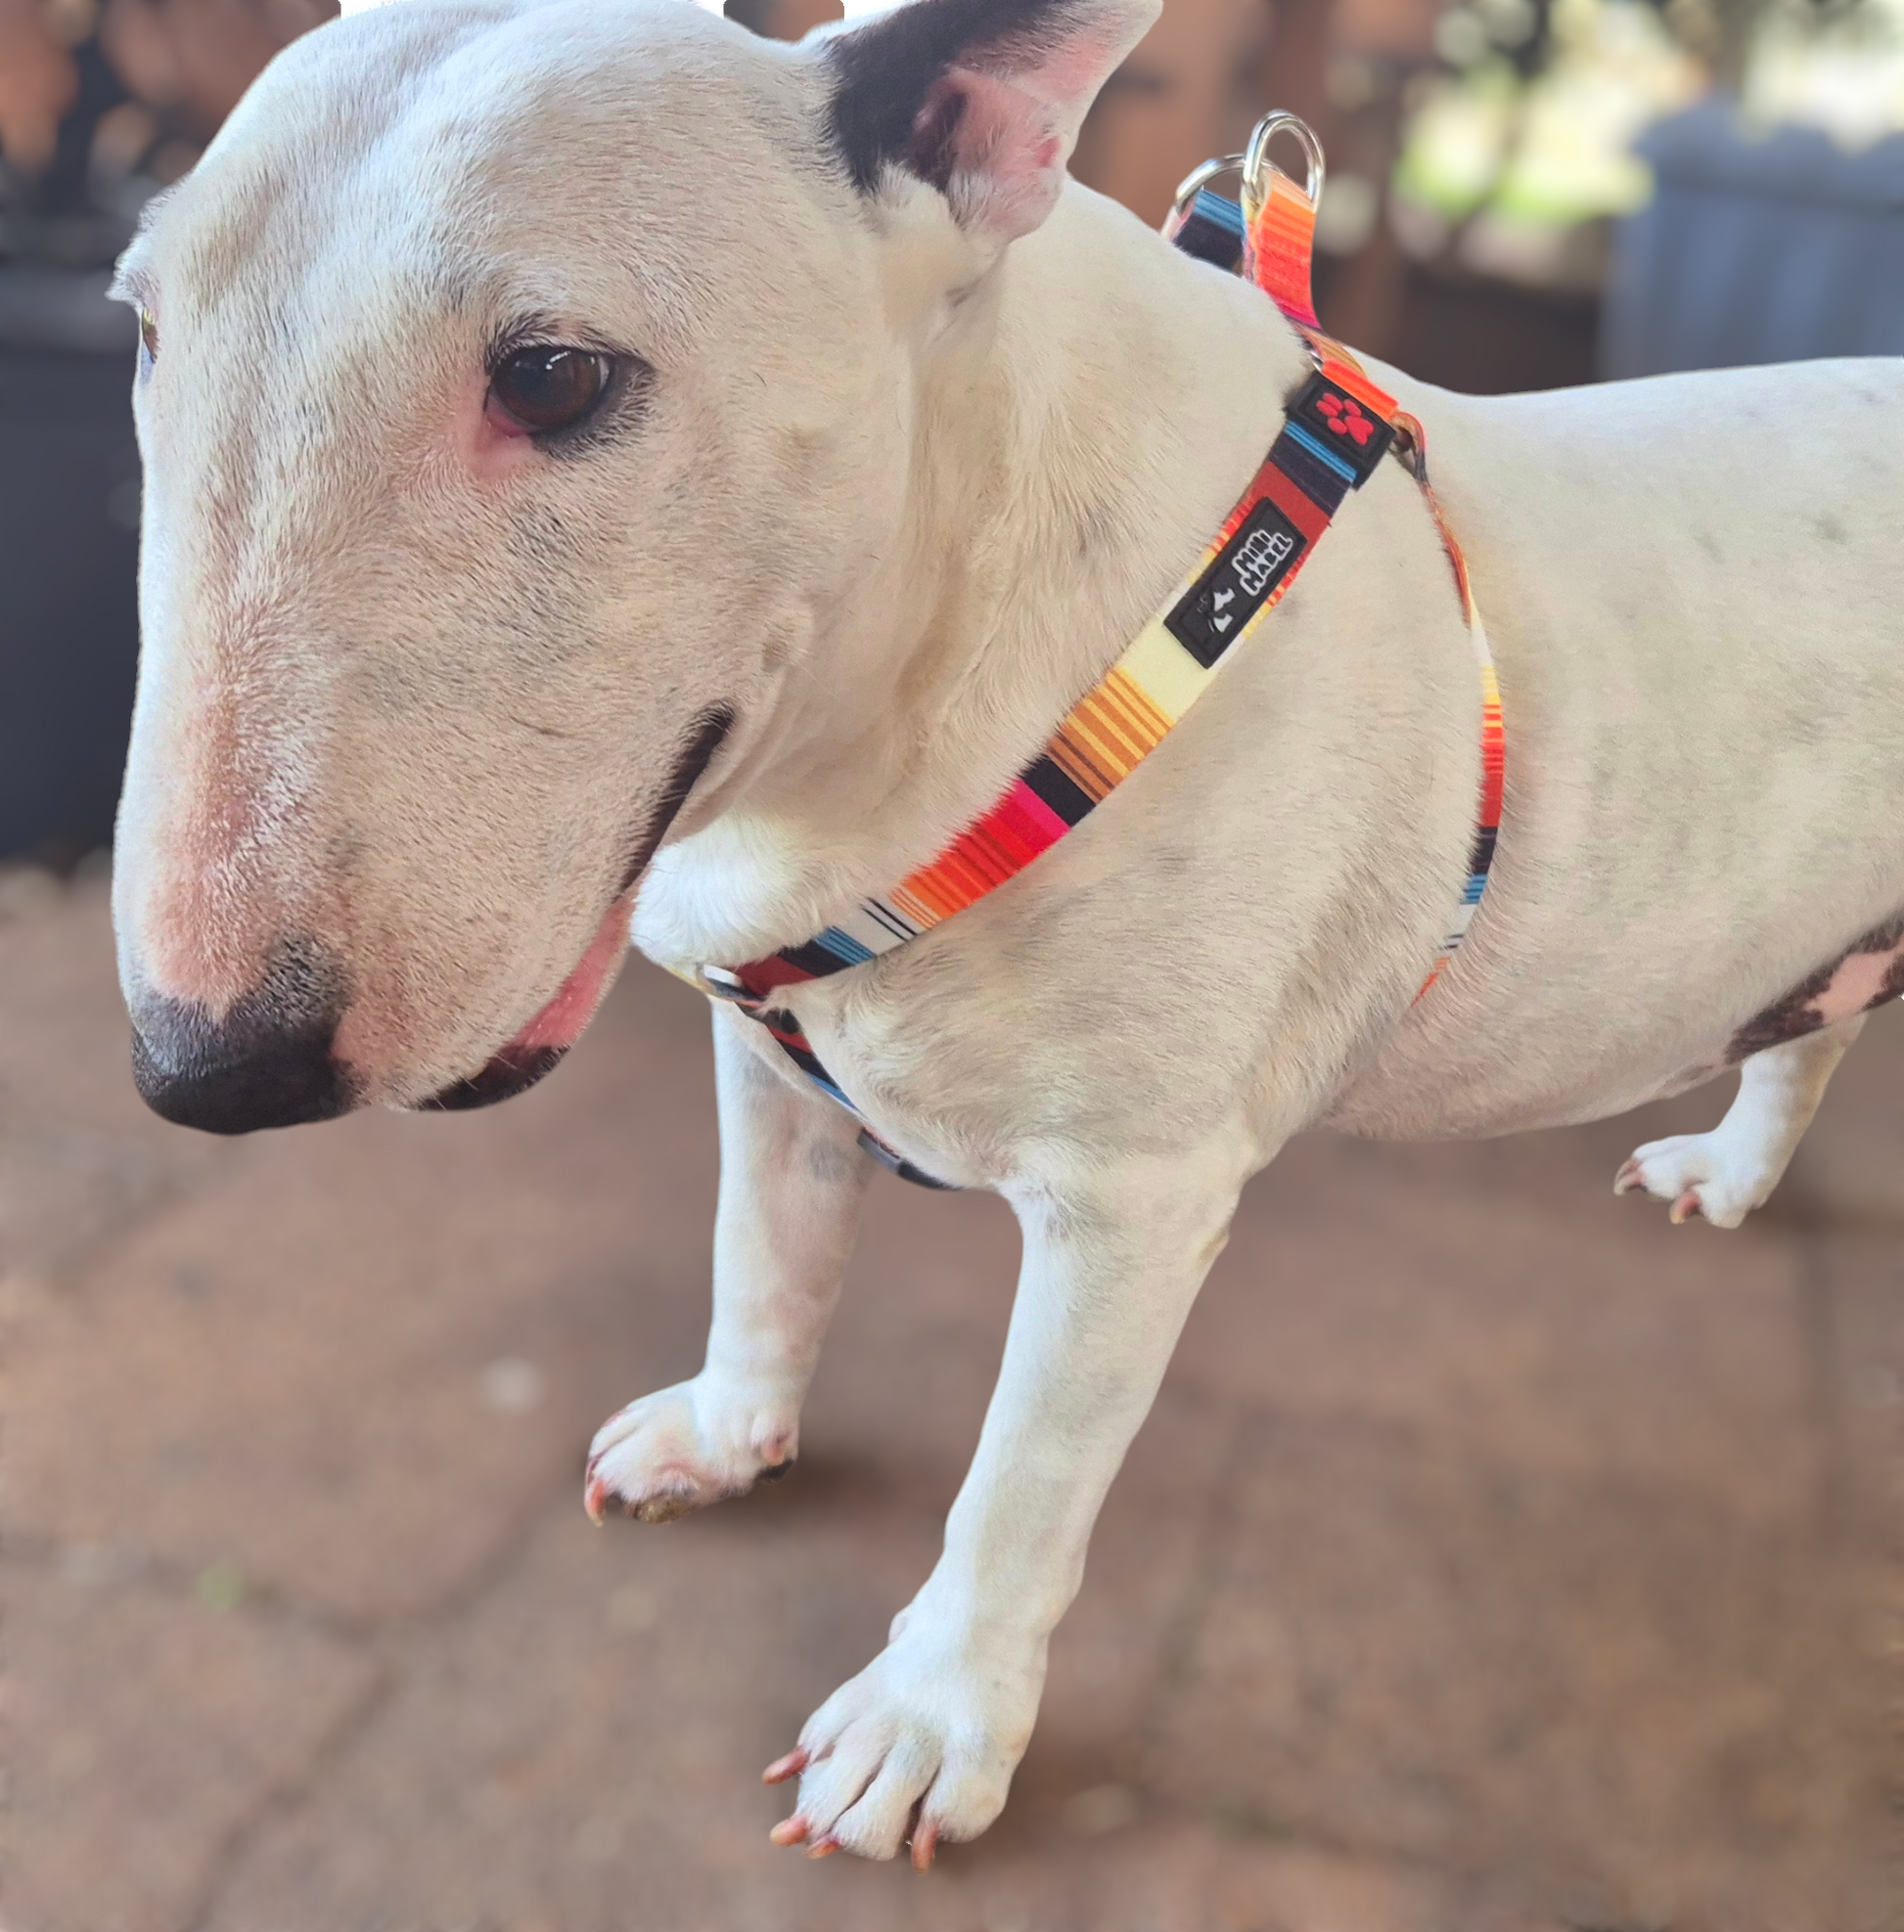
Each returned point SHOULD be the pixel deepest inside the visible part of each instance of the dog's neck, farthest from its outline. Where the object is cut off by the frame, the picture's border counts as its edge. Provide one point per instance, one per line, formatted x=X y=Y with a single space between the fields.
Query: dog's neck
x=1083 y=423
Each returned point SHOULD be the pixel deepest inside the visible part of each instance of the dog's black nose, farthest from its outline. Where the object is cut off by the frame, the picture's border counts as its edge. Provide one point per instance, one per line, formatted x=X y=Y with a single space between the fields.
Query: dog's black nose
x=266 y=1062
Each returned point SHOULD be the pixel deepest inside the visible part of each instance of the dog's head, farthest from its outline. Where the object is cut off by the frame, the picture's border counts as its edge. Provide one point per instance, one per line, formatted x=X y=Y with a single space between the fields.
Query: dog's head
x=522 y=386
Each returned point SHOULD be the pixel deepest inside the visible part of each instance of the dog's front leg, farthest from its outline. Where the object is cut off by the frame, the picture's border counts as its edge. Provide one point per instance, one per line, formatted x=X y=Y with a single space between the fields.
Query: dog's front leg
x=928 y=1735
x=791 y=1179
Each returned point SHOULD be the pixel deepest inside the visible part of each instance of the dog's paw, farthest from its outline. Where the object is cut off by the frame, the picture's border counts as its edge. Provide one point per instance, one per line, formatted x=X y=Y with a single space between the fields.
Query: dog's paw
x=918 y=1748
x=1703 y=1174
x=684 y=1446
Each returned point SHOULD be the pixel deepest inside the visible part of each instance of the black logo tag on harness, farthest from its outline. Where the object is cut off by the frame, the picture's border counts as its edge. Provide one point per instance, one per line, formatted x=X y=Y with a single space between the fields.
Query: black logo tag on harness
x=1212 y=613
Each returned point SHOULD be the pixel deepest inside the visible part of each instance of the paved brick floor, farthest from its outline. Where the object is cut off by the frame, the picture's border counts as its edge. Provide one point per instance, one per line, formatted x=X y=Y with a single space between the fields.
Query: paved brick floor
x=1497 y=1556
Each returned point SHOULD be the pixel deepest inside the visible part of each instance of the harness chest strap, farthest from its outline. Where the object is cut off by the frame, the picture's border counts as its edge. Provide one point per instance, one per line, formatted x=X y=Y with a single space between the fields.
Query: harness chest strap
x=1277 y=244
x=1337 y=428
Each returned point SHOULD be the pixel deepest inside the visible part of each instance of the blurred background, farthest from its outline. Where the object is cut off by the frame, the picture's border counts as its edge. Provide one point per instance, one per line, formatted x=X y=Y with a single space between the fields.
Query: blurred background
x=1497 y=1558
x=1521 y=194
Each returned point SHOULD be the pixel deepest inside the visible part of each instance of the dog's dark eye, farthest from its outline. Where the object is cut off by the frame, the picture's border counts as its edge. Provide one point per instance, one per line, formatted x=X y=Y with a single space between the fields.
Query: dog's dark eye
x=549 y=388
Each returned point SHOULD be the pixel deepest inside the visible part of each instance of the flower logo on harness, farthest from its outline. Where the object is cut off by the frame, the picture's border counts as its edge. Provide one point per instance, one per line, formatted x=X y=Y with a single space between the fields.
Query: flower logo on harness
x=1343 y=415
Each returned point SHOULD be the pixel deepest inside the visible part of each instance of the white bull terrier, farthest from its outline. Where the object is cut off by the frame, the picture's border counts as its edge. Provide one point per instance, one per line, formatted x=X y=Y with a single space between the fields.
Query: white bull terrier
x=589 y=449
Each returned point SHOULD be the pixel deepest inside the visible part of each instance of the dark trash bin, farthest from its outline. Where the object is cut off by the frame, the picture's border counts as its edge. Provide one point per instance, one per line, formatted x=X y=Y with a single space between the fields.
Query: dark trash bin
x=1757 y=248
x=68 y=558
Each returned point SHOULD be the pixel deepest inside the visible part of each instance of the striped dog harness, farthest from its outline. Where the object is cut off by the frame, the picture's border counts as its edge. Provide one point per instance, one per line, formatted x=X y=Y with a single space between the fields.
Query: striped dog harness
x=1338 y=426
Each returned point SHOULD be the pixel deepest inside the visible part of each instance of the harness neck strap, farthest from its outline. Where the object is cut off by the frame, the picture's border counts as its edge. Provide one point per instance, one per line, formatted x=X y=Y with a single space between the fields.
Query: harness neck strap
x=1337 y=428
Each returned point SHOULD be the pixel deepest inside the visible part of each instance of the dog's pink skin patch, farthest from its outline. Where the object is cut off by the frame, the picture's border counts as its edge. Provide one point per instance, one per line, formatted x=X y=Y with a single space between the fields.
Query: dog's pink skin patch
x=1860 y=981
x=563 y=1020
x=1871 y=972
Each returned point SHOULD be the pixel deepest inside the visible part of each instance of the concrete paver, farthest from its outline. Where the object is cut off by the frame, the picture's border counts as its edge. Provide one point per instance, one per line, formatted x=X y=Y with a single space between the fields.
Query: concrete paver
x=286 y=1367
x=1847 y=1193
x=80 y=1153
x=1496 y=1557
x=148 y=1728
x=622 y=1792
x=1500 y=1291
x=1660 y=1710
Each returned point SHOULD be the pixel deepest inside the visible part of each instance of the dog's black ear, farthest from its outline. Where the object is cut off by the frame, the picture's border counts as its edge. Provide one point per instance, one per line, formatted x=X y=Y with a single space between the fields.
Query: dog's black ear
x=980 y=98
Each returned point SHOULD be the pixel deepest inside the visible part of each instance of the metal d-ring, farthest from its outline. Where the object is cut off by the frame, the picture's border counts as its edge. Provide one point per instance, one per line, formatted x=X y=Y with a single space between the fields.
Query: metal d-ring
x=1251 y=163
x=1256 y=155
x=1200 y=177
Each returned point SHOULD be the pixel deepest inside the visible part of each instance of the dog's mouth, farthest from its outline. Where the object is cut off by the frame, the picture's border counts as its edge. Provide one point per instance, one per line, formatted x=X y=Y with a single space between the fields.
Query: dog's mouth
x=538 y=1049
